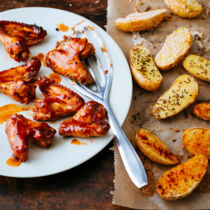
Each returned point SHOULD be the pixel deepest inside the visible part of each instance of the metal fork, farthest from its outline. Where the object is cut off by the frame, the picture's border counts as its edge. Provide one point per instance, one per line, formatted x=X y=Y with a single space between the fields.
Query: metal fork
x=130 y=159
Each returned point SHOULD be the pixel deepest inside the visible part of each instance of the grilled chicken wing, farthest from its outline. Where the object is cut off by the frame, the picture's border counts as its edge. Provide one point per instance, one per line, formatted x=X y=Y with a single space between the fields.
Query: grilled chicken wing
x=17 y=37
x=18 y=82
x=88 y=121
x=18 y=136
x=20 y=90
x=66 y=59
x=20 y=130
x=59 y=101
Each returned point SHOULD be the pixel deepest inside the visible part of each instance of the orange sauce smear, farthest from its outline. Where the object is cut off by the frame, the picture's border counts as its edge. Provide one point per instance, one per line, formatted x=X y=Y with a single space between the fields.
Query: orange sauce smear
x=8 y=110
x=63 y=27
x=91 y=28
x=55 y=77
x=104 y=48
x=73 y=28
x=41 y=56
x=77 y=142
x=13 y=161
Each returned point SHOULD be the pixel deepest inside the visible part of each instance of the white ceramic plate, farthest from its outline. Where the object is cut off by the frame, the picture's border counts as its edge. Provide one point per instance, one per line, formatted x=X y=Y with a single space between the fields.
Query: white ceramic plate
x=62 y=155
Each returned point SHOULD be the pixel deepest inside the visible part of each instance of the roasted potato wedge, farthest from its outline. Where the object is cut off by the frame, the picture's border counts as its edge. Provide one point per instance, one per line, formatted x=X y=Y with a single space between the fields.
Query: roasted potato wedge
x=153 y=148
x=197 y=66
x=202 y=110
x=140 y=21
x=197 y=141
x=143 y=68
x=174 y=49
x=181 y=180
x=180 y=95
x=184 y=8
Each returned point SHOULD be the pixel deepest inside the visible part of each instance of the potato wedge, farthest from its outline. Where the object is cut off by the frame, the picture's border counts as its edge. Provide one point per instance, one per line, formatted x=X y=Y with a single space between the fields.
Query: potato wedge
x=143 y=68
x=202 y=111
x=184 y=8
x=153 y=148
x=181 y=180
x=174 y=49
x=197 y=66
x=197 y=141
x=180 y=95
x=140 y=21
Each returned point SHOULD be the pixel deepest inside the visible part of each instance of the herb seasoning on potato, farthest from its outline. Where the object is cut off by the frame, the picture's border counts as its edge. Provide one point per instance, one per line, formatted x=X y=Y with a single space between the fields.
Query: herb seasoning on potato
x=180 y=95
x=197 y=66
x=143 y=68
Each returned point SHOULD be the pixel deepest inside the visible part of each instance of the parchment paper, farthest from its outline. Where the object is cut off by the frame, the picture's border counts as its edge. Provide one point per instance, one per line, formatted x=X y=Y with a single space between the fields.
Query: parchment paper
x=140 y=114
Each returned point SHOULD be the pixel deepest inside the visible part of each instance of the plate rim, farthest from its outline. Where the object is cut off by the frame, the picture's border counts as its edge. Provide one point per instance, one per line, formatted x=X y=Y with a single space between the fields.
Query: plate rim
x=130 y=99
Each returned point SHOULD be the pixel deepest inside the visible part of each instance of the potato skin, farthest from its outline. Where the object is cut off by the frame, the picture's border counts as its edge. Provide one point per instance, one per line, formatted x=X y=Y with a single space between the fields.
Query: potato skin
x=180 y=95
x=197 y=141
x=202 y=111
x=174 y=49
x=181 y=180
x=143 y=68
x=197 y=66
x=153 y=148
x=133 y=22
x=184 y=8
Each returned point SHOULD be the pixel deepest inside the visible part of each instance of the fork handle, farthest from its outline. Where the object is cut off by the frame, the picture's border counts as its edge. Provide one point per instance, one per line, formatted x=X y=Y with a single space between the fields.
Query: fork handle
x=130 y=159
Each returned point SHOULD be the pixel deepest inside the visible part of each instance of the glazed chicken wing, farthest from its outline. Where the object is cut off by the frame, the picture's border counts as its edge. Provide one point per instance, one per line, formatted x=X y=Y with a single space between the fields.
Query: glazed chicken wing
x=41 y=133
x=59 y=101
x=17 y=37
x=17 y=136
x=88 y=121
x=19 y=83
x=19 y=90
x=66 y=59
x=20 y=130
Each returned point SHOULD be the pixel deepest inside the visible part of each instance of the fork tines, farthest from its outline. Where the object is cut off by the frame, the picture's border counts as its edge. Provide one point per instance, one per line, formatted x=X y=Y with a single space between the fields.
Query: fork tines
x=102 y=90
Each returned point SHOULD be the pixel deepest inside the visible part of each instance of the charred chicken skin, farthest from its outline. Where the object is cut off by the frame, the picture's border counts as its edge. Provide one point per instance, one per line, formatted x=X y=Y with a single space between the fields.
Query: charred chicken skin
x=88 y=121
x=21 y=130
x=19 y=83
x=17 y=37
x=66 y=59
x=59 y=101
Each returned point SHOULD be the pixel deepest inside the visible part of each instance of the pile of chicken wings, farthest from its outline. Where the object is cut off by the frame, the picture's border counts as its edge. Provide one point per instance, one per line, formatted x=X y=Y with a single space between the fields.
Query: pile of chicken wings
x=20 y=83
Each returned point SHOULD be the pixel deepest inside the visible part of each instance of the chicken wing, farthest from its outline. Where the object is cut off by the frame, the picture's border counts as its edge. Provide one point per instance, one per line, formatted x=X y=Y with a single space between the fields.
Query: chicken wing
x=88 y=121
x=59 y=101
x=20 y=130
x=41 y=133
x=66 y=59
x=17 y=37
x=19 y=83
